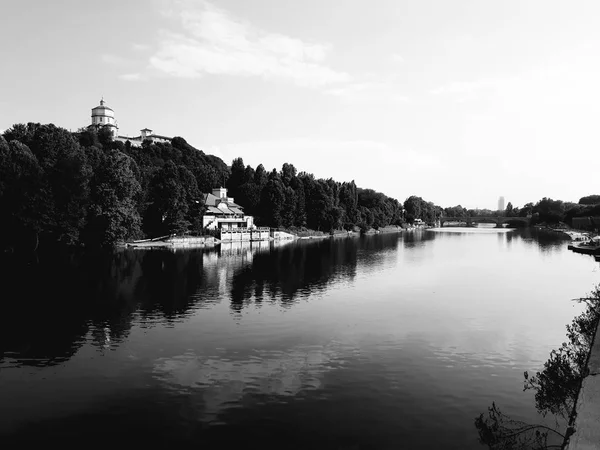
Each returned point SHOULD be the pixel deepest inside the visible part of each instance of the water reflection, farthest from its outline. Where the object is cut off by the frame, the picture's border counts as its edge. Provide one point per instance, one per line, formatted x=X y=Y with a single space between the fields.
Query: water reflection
x=100 y=294
x=556 y=388
x=229 y=378
x=364 y=341
x=299 y=268
x=54 y=303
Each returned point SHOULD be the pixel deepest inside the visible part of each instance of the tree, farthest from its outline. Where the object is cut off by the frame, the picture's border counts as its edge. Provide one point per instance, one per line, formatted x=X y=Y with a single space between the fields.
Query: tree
x=589 y=200
x=551 y=211
x=237 y=177
x=300 y=205
x=556 y=388
x=288 y=172
x=20 y=200
x=260 y=176
x=413 y=207
x=64 y=186
x=170 y=201
x=509 y=210
x=272 y=202
x=112 y=215
x=526 y=210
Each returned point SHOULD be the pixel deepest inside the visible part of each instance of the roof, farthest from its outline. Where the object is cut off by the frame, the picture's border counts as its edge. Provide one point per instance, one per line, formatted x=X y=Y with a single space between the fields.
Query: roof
x=224 y=211
x=211 y=200
x=102 y=107
x=139 y=138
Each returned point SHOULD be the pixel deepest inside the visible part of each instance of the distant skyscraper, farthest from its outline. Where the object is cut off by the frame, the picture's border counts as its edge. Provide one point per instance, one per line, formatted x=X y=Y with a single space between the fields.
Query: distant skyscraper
x=501 y=204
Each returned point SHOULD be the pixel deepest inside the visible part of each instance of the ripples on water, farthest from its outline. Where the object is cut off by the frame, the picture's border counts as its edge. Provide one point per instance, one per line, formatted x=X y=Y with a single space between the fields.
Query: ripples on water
x=386 y=341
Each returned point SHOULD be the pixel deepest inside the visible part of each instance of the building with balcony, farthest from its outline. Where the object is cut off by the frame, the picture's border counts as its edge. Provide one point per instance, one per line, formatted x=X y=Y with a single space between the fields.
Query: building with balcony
x=223 y=213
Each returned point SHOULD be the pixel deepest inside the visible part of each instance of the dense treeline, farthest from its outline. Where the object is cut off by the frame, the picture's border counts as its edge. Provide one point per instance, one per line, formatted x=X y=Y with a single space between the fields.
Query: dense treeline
x=546 y=210
x=86 y=189
x=288 y=199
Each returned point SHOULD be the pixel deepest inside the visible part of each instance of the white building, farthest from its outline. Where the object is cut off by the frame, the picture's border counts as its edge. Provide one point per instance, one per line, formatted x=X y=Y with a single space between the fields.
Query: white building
x=103 y=116
x=223 y=213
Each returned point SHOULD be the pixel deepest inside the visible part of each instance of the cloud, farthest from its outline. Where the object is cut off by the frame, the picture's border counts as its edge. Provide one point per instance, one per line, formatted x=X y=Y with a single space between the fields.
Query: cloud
x=140 y=47
x=466 y=90
x=113 y=59
x=212 y=41
x=219 y=380
x=369 y=91
x=132 y=77
x=472 y=90
x=396 y=58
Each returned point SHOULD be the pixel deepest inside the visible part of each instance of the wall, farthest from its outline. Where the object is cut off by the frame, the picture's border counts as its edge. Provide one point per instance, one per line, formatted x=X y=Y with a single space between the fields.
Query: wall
x=245 y=234
x=191 y=241
x=211 y=222
x=281 y=235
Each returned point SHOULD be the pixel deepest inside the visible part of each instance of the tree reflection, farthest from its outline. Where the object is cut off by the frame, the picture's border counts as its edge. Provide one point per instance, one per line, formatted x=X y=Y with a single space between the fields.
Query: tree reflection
x=556 y=388
x=53 y=302
x=546 y=241
x=301 y=268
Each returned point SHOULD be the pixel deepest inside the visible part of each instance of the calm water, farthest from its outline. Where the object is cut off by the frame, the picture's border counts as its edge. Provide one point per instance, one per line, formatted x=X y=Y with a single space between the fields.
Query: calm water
x=380 y=342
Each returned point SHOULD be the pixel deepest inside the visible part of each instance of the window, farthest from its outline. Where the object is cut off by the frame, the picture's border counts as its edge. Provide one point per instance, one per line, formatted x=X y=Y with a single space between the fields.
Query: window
x=100 y=119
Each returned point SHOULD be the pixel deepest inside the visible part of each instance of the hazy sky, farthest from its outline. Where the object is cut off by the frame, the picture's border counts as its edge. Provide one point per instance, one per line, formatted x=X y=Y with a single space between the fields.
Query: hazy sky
x=455 y=101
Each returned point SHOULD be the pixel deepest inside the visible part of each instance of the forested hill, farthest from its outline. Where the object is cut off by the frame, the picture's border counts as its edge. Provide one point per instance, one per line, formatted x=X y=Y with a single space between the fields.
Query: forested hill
x=85 y=189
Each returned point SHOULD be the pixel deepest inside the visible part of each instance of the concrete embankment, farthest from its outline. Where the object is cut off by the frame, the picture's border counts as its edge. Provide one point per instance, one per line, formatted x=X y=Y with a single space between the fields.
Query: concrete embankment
x=174 y=242
x=587 y=409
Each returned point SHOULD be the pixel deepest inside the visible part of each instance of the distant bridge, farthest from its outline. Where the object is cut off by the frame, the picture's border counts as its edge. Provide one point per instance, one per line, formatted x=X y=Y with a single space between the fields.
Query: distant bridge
x=498 y=220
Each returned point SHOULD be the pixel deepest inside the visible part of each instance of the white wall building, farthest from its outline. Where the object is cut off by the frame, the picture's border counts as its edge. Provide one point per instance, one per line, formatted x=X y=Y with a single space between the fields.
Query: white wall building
x=103 y=116
x=223 y=213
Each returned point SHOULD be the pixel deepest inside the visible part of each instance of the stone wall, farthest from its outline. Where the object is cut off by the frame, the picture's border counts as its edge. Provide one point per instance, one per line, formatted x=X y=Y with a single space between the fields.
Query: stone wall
x=244 y=234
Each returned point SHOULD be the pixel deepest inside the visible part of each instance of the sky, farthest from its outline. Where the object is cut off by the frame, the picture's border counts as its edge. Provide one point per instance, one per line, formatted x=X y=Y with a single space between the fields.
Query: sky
x=459 y=102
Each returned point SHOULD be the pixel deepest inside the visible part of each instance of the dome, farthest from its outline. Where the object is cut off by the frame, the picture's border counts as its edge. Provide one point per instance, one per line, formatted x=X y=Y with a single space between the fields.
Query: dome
x=103 y=111
x=102 y=107
x=103 y=116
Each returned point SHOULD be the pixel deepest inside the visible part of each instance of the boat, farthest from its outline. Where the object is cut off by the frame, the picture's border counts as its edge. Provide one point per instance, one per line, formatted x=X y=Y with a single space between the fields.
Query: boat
x=589 y=247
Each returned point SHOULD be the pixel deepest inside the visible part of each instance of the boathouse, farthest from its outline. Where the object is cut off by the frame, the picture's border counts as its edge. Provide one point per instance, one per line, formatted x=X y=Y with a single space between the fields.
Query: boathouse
x=223 y=213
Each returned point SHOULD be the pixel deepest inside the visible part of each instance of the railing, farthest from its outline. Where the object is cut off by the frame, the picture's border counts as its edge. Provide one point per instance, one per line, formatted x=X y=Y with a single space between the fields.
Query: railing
x=244 y=230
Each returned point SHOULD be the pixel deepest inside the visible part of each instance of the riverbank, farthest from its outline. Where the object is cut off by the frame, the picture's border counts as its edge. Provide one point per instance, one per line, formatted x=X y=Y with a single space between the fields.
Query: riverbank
x=174 y=242
x=274 y=235
x=574 y=234
x=586 y=414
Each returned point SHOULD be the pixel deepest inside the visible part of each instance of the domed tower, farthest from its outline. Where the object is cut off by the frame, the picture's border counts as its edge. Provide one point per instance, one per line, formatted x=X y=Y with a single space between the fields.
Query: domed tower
x=103 y=116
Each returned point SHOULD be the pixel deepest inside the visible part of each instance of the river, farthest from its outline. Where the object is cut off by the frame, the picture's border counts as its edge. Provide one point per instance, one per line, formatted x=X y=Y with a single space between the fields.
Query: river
x=378 y=342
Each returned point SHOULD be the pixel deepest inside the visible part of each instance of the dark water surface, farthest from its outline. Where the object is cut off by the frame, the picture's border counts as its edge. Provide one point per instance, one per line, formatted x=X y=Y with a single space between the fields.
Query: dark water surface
x=381 y=342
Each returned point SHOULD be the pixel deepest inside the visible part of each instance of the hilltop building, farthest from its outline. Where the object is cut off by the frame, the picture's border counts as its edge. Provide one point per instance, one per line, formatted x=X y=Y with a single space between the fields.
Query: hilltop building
x=223 y=213
x=103 y=116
